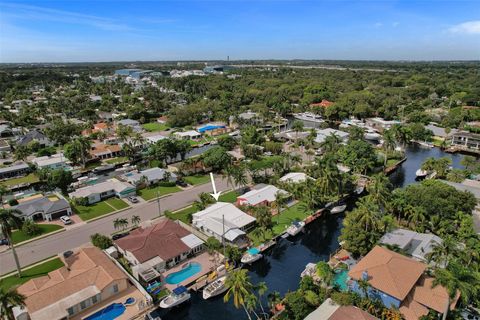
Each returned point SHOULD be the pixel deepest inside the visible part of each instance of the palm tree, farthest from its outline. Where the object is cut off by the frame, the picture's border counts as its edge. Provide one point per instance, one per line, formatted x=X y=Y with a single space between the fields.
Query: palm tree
x=379 y=190
x=389 y=144
x=251 y=304
x=8 y=300
x=261 y=290
x=9 y=220
x=456 y=279
x=281 y=200
x=367 y=214
x=135 y=220
x=331 y=144
x=274 y=298
x=120 y=223
x=364 y=286
x=442 y=252
x=239 y=288
x=415 y=217
x=240 y=176
x=325 y=273
x=3 y=191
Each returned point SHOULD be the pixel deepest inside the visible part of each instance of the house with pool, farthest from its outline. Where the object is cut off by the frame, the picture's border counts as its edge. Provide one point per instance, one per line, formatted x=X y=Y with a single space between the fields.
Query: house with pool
x=213 y=129
x=261 y=194
x=399 y=281
x=153 y=250
x=88 y=284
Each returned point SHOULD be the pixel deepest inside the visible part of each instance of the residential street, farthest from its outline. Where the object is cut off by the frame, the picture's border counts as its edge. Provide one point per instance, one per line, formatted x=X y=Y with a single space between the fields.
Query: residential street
x=74 y=237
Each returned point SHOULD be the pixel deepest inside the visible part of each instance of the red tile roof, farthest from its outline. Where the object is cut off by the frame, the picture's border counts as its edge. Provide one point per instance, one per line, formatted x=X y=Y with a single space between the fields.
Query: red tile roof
x=324 y=103
x=351 y=313
x=162 y=240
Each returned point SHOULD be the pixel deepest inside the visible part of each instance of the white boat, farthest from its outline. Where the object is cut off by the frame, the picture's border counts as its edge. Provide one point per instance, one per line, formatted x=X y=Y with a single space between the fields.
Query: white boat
x=338 y=209
x=425 y=144
x=372 y=135
x=310 y=270
x=295 y=228
x=252 y=255
x=215 y=288
x=178 y=296
x=308 y=116
x=359 y=190
x=421 y=173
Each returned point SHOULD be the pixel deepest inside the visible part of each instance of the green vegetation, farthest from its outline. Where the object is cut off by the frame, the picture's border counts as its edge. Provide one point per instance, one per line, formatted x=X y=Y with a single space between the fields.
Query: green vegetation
x=34 y=272
x=30 y=178
x=118 y=204
x=117 y=160
x=20 y=236
x=155 y=126
x=230 y=197
x=184 y=215
x=93 y=211
x=197 y=179
x=151 y=193
x=285 y=218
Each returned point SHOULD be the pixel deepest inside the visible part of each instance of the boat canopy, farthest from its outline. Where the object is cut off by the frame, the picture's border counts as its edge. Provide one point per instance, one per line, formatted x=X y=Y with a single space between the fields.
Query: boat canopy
x=179 y=290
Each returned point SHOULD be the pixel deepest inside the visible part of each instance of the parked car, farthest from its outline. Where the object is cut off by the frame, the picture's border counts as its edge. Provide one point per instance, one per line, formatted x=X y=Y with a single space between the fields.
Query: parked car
x=133 y=199
x=120 y=235
x=182 y=183
x=3 y=242
x=66 y=220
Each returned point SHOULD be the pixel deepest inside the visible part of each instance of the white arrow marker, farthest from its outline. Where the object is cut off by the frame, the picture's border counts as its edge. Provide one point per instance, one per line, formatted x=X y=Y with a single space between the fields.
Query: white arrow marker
x=214 y=194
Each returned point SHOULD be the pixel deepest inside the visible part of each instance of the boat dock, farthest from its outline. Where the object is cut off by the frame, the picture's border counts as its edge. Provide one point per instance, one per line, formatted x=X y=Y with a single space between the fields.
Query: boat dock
x=391 y=169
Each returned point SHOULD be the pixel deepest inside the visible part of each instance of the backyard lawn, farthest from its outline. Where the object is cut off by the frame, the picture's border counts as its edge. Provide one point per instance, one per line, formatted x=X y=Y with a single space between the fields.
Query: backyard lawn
x=283 y=220
x=35 y=272
x=31 y=178
x=155 y=126
x=197 y=179
x=92 y=211
x=117 y=160
x=117 y=203
x=183 y=215
x=230 y=197
x=151 y=193
x=19 y=236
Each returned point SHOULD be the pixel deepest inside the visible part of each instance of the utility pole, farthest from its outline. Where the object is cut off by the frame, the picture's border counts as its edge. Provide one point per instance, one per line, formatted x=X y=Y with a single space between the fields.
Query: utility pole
x=158 y=203
x=223 y=235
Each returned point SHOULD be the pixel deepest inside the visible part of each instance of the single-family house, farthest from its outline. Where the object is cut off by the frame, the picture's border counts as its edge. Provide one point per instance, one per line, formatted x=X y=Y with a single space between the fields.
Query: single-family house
x=213 y=129
x=399 y=281
x=381 y=124
x=260 y=195
x=37 y=136
x=43 y=207
x=224 y=220
x=103 y=190
x=15 y=170
x=187 y=135
x=5 y=146
x=100 y=150
x=466 y=140
x=417 y=245
x=292 y=135
x=150 y=176
x=439 y=131
x=329 y=310
x=55 y=161
x=294 y=177
x=88 y=278
x=322 y=134
x=134 y=124
x=154 y=138
x=99 y=127
x=152 y=250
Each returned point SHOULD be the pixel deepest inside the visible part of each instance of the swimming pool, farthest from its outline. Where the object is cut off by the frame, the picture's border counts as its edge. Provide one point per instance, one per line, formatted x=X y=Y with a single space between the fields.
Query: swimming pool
x=340 y=280
x=190 y=270
x=111 y=312
x=209 y=127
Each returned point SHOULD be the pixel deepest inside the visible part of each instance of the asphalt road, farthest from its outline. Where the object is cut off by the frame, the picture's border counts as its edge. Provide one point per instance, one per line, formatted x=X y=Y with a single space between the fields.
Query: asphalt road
x=77 y=236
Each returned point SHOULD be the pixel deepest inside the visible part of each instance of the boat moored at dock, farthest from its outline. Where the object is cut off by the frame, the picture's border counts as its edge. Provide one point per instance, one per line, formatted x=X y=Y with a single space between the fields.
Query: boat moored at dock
x=178 y=296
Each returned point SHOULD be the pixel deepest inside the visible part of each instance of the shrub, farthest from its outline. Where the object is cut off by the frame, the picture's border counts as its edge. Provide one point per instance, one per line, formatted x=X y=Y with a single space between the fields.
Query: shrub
x=30 y=228
x=166 y=184
x=101 y=241
x=12 y=202
x=81 y=201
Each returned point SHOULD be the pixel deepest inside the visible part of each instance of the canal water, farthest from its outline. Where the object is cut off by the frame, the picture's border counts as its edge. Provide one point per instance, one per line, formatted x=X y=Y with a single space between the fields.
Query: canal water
x=281 y=267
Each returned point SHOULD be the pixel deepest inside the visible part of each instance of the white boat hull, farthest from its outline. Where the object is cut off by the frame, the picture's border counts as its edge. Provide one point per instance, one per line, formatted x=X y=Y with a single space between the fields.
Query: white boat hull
x=171 y=301
x=215 y=288
x=421 y=173
x=294 y=230
x=248 y=259
x=338 y=209
x=372 y=136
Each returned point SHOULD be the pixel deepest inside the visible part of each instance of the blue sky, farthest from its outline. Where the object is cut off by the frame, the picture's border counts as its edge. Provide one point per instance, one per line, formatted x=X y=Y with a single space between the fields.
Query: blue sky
x=103 y=30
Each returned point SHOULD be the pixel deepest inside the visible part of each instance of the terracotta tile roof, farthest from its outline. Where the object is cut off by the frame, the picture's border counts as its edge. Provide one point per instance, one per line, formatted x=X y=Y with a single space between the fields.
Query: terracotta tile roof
x=351 y=313
x=101 y=148
x=389 y=272
x=434 y=298
x=324 y=103
x=86 y=268
x=411 y=309
x=162 y=240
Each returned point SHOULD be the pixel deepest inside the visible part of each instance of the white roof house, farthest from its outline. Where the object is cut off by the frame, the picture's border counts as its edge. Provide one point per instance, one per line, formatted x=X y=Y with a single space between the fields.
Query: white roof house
x=52 y=162
x=191 y=134
x=155 y=138
x=322 y=134
x=221 y=217
x=294 y=177
x=152 y=175
x=99 y=191
x=264 y=194
x=418 y=245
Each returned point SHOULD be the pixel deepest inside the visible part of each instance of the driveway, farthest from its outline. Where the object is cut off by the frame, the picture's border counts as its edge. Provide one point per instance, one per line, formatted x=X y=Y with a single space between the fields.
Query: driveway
x=75 y=237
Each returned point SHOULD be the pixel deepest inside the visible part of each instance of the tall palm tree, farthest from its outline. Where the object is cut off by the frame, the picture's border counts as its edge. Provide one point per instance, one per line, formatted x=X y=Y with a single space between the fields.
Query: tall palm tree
x=281 y=200
x=442 y=252
x=135 y=220
x=325 y=273
x=3 y=191
x=261 y=290
x=10 y=298
x=379 y=189
x=120 y=223
x=274 y=298
x=367 y=214
x=415 y=217
x=457 y=279
x=9 y=220
x=389 y=144
x=364 y=285
x=239 y=288
x=240 y=178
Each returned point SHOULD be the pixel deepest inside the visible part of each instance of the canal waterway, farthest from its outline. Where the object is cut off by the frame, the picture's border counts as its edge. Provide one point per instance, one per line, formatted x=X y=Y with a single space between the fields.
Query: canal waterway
x=281 y=267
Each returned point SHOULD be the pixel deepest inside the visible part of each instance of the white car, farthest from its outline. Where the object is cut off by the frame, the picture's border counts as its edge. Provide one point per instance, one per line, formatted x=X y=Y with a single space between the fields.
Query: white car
x=66 y=220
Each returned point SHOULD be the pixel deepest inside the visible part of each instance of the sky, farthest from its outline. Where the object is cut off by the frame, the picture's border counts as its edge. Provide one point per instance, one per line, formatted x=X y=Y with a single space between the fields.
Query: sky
x=121 y=30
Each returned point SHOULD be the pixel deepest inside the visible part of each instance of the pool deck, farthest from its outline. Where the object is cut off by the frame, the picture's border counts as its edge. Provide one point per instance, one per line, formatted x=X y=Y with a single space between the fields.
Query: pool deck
x=130 y=311
x=208 y=262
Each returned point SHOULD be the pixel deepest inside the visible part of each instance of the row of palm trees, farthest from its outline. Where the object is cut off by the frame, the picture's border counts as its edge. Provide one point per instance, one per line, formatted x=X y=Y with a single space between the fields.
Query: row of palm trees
x=122 y=223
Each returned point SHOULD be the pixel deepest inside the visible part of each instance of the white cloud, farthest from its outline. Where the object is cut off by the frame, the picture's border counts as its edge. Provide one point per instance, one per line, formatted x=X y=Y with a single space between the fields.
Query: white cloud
x=469 y=27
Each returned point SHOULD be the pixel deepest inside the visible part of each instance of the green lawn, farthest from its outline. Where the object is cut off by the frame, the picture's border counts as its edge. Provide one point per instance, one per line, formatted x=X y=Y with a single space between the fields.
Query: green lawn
x=31 y=178
x=150 y=193
x=117 y=203
x=197 y=179
x=230 y=196
x=155 y=126
x=261 y=238
x=19 y=236
x=35 y=272
x=264 y=163
x=117 y=160
x=283 y=220
x=183 y=215
x=92 y=211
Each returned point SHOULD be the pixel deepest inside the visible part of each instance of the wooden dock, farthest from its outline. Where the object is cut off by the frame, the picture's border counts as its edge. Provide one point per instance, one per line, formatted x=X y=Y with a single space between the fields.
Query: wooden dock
x=391 y=169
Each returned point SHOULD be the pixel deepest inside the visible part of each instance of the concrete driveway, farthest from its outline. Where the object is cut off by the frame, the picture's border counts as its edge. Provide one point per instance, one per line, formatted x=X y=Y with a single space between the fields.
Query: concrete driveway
x=74 y=237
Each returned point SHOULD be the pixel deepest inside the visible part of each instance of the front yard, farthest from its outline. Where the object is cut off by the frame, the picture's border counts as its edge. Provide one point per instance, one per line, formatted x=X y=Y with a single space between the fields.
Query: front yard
x=151 y=193
x=230 y=197
x=116 y=160
x=19 y=236
x=183 y=215
x=197 y=179
x=99 y=209
x=34 y=272
x=31 y=178
x=155 y=126
x=118 y=204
